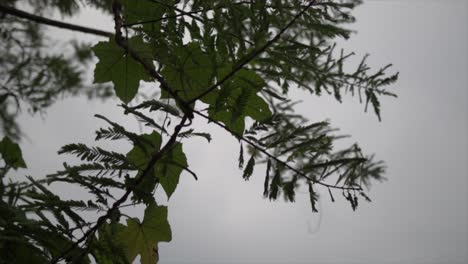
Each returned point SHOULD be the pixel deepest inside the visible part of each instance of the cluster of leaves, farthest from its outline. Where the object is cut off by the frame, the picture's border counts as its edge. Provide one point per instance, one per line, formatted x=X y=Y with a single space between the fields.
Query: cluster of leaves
x=299 y=152
x=38 y=225
x=27 y=239
x=230 y=62
x=33 y=76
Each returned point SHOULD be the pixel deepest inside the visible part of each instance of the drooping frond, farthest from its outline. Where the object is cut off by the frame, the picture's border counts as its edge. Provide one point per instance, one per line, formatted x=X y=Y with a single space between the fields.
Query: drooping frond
x=94 y=154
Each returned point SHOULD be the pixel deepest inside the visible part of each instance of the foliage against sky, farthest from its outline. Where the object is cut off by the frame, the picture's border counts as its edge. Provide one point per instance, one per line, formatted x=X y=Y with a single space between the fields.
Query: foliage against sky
x=230 y=62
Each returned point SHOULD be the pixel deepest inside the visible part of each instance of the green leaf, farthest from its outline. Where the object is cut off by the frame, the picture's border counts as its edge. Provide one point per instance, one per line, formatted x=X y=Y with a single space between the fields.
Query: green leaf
x=169 y=168
x=289 y=189
x=191 y=133
x=204 y=135
x=275 y=185
x=142 y=238
x=267 y=179
x=11 y=153
x=136 y=11
x=313 y=198
x=106 y=248
x=155 y=105
x=375 y=103
x=22 y=253
x=189 y=71
x=249 y=168
x=140 y=154
x=241 y=156
x=120 y=68
x=236 y=99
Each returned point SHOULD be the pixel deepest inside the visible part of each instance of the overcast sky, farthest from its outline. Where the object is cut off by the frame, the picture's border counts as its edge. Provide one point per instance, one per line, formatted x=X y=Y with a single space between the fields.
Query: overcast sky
x=418 y=216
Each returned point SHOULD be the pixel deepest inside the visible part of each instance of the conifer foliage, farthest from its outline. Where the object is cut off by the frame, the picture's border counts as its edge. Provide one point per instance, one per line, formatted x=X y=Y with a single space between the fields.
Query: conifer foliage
x=232 y=63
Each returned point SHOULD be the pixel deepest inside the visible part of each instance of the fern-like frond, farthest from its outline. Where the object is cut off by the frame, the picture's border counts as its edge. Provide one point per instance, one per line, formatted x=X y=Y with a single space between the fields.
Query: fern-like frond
x=94 y=154
x=111 y=133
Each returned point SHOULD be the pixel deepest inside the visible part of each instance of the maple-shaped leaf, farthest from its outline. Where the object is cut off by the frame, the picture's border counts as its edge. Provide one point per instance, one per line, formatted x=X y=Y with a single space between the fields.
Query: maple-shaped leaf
x=141 y=238
x=106 y=248
x=189 y=71
x=236 y=99
x=118 y=67
x=140 y=154
x=167 y=170
x=11 y=153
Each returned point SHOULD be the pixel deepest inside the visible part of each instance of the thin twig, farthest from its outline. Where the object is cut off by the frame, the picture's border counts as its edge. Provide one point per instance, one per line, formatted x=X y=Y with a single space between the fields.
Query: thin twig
x=162 y=18
x=190 y=14
x=157 y=155
x=122 y=42
x=54 y=23
x=319 y=165
x=101 y=220
x=249 y=57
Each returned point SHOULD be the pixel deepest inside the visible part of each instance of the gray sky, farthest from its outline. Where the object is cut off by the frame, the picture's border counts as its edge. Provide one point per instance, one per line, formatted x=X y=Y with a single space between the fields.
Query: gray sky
x=418 y=216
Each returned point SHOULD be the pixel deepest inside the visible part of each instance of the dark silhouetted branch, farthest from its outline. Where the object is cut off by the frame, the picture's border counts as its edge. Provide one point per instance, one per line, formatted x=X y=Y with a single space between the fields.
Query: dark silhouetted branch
x=253 y=54
x=318 y=165
x=101 y=220
x=50 y=22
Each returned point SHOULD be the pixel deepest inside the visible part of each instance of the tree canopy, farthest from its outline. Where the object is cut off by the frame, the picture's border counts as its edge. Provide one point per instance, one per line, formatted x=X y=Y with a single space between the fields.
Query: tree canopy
x=232 y=63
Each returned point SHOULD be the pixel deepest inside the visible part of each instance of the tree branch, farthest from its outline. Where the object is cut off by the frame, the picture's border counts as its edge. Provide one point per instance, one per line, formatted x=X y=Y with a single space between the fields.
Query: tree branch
x=319 y=165
x=162 y=18
x=190 y=14
x=101 y=220
x=122 y=42
x=253 y=54
x=157 y=155
x=54 y=23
